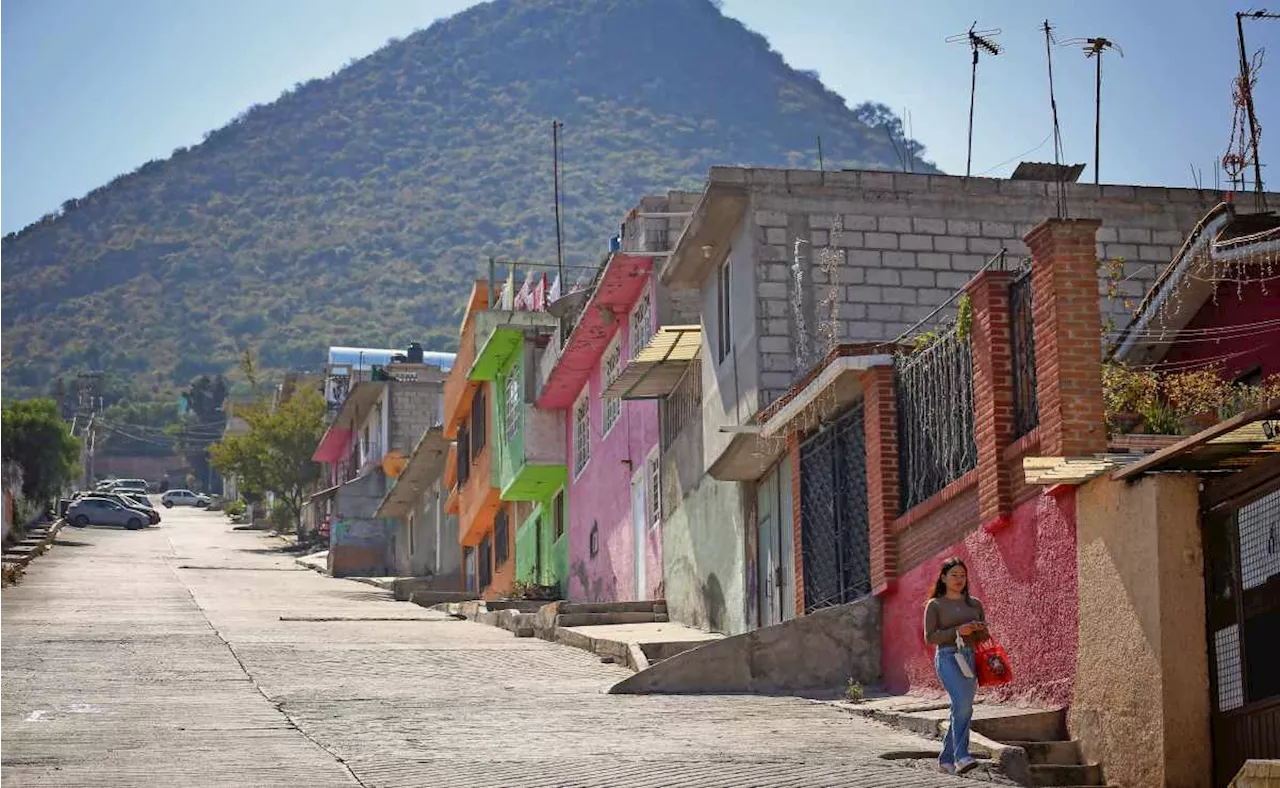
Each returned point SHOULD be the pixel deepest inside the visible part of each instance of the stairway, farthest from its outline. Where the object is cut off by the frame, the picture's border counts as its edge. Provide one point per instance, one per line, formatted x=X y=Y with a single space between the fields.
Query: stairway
x=1059 y=763
x=590 y=614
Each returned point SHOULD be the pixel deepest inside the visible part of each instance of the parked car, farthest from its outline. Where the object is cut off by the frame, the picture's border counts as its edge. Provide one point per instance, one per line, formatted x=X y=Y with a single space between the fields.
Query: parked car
x=100 y=511
x=183 y=498
x=132 y=485
x=129 y=502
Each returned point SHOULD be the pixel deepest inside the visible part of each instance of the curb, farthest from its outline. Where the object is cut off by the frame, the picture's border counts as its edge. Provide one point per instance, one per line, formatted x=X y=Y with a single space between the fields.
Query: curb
x=23 y=553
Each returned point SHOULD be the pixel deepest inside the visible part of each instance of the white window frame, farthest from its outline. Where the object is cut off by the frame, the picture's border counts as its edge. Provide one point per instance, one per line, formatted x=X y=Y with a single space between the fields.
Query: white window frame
x=610 y=369
x=641 y=325
x=581 y=434
x=511 y=402
x=724 y=311
x=653 y=488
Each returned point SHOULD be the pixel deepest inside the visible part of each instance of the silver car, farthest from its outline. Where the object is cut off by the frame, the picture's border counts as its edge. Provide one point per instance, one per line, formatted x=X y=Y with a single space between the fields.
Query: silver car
x=100 y=511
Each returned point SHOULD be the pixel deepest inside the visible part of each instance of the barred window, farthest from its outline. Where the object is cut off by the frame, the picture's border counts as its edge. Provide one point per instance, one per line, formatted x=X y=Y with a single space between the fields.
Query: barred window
x=611 y=367
x=655 y=490
x=641 y=326
x=477 y=422
x=464 y=455
x=486 y=563
x=500 y=537
x=581 y=434
x=557 y=515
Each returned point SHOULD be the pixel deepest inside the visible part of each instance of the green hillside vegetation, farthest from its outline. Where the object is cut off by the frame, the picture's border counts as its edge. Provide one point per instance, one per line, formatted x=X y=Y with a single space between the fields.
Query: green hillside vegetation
x=356 y=209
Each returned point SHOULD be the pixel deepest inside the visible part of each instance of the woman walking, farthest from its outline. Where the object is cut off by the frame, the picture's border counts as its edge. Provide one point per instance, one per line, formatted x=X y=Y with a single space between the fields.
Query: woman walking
x=954 y=623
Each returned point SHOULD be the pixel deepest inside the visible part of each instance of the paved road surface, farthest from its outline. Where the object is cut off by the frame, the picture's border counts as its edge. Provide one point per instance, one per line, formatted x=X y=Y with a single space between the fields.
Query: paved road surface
x=191 y=654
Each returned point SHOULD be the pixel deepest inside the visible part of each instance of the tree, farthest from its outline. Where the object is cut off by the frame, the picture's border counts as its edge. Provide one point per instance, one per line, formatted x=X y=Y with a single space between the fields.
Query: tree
x=275 y=455
x=37 y=439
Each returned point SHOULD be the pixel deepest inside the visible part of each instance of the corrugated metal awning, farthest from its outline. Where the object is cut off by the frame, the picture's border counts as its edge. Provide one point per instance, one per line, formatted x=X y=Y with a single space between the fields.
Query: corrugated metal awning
x=655 y=370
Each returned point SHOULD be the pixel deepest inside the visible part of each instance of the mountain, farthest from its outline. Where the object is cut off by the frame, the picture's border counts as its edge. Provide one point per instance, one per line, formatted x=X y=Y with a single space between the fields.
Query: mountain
x=356 y=209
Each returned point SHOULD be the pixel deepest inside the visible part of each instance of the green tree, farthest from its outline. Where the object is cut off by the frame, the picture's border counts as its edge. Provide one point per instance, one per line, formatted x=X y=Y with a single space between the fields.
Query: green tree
x=275 y=455
x=37 y=439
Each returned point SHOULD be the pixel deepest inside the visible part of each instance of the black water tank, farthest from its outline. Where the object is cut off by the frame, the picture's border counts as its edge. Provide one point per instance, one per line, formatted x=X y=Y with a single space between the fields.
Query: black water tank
x=415 y=353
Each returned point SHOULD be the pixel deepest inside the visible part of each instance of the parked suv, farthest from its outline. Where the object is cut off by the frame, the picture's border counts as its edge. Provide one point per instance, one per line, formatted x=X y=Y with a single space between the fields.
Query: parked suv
x=132 y=485
x=183 y=498
x=100 y=511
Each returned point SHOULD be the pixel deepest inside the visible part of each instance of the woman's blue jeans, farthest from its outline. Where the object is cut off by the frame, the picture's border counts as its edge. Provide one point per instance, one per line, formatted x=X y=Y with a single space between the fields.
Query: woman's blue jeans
x=955 y=747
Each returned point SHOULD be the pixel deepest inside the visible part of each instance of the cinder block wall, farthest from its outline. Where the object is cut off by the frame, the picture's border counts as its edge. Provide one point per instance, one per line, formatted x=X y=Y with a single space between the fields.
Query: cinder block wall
x=415 y=408
x=902 y=244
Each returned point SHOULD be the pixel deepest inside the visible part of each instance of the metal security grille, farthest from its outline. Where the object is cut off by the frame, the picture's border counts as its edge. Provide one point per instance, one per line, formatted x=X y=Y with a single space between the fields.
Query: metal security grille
x=500 y=538
x=1026 y=410
x=835 y=548
x=683 y=406
x=936 y=442
x=486 y=563
x=1242 y=584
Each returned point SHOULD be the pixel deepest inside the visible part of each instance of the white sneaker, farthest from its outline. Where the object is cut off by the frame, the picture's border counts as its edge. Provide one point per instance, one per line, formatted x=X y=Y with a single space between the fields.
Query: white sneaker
x=947 y=768
x=965 y=765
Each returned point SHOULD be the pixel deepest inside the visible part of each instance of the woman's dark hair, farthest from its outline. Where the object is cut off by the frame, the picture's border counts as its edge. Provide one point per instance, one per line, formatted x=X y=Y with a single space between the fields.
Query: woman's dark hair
x=940 y=585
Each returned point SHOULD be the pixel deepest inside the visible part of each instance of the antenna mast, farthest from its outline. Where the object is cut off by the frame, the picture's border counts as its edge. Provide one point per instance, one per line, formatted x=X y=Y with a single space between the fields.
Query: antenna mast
x=1057 y=132
x=1235 y=163
x=555 y=176
x=978 y=41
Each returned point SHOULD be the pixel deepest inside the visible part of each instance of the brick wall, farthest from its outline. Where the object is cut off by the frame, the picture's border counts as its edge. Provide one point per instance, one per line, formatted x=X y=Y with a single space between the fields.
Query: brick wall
x=992 y=390
x=881 y=429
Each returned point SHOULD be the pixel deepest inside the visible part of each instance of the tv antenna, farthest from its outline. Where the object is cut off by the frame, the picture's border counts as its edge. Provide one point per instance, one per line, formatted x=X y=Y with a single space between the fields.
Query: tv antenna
x=979 y=41
x=1246 y=152
x=555 y=178
x=1057 y=132
x=1094 y=47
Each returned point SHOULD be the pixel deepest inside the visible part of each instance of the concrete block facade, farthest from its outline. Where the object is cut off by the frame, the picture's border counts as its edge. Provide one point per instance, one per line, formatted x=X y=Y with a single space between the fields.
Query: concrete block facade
x=877 y=252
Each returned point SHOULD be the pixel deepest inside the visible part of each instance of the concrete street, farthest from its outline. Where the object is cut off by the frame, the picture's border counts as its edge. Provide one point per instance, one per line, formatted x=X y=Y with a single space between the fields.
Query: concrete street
x=190 y=654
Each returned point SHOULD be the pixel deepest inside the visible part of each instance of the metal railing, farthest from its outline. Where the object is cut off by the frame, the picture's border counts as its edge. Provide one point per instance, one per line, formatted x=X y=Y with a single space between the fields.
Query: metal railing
x=936 y=443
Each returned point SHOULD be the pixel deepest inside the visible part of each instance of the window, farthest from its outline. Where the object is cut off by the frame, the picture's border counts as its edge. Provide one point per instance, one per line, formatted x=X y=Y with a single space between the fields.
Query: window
x=464 y=455
x=611 y=407
x=486 y=563
x=477 y=422
x=723 y=312
x=412 y=549
x=500 y=538
x=654 y=469
x=557 y=514
x=594 y=541
x=511 y=417
x=641 y=326
x=581 y=434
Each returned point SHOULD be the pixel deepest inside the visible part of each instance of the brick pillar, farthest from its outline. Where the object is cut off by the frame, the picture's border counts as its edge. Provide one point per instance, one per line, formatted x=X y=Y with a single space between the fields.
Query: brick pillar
x=793 y=450
x=1068 y=336
x=881 y=430
x=992 y=392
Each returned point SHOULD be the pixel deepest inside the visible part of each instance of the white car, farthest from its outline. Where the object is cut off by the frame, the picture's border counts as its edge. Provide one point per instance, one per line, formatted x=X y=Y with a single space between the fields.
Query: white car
x=183 y=498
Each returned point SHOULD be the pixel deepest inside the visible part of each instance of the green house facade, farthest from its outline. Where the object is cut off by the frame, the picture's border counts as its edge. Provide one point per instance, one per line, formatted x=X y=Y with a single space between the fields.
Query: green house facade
x=528 y=445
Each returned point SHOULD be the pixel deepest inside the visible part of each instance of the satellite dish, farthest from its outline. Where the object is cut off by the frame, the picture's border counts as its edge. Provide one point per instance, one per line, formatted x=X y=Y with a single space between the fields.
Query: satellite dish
x=568 y=302
x=393 y=463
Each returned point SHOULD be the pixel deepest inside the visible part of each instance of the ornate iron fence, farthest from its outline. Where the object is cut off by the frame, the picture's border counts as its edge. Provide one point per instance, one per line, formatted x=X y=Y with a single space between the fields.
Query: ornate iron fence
x=1026 y=410
x=835 y=546
x=936 y=442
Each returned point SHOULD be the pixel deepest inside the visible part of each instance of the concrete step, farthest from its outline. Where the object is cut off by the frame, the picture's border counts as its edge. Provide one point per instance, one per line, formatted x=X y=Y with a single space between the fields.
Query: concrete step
x=644 y=606
x=598 y=619
x=1056 y=775
x=1051 y=753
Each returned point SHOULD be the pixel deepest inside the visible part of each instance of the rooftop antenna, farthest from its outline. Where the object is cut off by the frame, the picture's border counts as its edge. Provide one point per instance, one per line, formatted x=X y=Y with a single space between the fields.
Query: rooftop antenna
x=1236 y=162
x=1094 y=47
x=1057 y=132
x=978 y=41
x=555 y=176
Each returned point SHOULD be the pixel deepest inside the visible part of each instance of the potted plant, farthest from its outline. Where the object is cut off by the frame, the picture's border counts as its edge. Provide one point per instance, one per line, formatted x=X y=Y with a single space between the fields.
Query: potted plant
x=1196 y=397
x=1129 y=395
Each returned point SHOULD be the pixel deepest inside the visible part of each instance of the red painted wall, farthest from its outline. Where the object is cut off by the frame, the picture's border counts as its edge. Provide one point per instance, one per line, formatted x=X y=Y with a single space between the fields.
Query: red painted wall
x=1025 y=575
x=1235 y=305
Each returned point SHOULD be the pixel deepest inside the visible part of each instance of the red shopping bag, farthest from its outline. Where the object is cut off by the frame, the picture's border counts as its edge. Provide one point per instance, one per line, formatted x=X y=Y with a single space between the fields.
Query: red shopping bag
x=992 y=663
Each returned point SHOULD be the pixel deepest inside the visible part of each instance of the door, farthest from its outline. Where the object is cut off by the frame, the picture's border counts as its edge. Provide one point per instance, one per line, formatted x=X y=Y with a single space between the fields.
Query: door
x=639 y=516
x=767 y=567
x=1242 y=575
x=537 y=550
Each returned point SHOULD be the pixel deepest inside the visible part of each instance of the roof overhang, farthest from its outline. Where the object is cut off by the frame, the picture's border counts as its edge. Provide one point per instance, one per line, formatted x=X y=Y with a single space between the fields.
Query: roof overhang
x=423 y=468
x=658 y=368
x=323 y=495
x=359 y=401
x=624 y=278
x=704 y=243
x=1228 y=446
x=839 y=383
x=332 y=444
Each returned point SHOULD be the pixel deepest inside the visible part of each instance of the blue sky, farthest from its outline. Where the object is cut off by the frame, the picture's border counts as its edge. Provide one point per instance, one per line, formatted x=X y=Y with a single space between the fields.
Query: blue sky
x=93 y=89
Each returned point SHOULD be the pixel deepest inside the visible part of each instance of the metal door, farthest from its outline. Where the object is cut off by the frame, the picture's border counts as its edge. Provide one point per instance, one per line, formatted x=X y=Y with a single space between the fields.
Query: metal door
x=1242 y=576
x=835 y=543
x=768 y=584
x=639 y=514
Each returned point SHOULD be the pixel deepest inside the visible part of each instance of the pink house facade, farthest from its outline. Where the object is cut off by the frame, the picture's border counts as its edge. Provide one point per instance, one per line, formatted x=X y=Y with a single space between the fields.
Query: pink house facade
x=614 y=509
